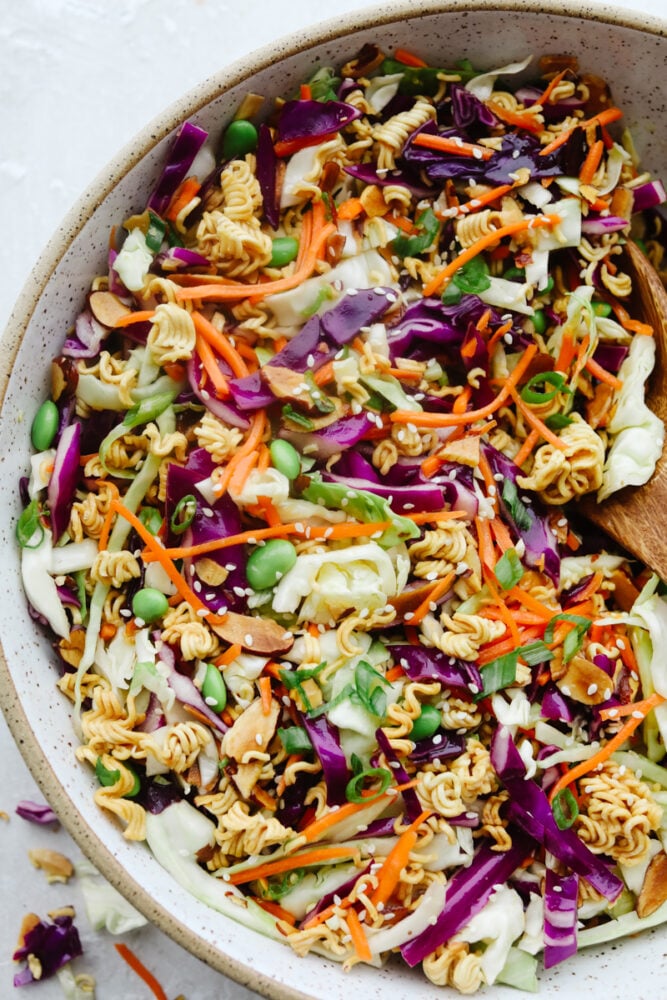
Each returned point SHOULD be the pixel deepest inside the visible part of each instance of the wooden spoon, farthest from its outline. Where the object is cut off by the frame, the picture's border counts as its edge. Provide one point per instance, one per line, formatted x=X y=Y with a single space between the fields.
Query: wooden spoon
x=636 y=517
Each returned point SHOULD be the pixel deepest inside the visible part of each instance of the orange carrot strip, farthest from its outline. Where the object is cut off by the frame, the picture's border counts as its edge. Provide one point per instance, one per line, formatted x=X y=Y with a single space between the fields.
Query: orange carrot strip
x=185 y=192
x=211 y=367
x=487 y=198
x=276 y=910
x=485 y=543
x=151 y=982
x=439 y=588
x=238 y=469
x=221 y=343
x=463 y=398
x=109 y=516
x=351 y=208
x=624 y=733
x=142 y=316
x=470 y=416
x=263 y=463
x=265 y=694
x=530 y=602
x=396 y=861
x=305 y=92
x=160 y=555
x=602 y=374
x=263 y=797
x=551 y=86
x=428 y=517
x=107 y=631
x=501 y=535
x=229 y=655
x=409 y=59
x=566 y=354
x=496 y=337
x=535 y=422
x=458 y=147
x=517 y=119
x=603 y=118
x=401 y=222
x=394 y=674
x=402 y=375
x=527 y=447
x=316 y=856
x=320 y=826
x=488 y=240
x=358 y=935
x=591 y=588
x=242 y=470
x=505 y=613
x=592 y=162
x=644 y=707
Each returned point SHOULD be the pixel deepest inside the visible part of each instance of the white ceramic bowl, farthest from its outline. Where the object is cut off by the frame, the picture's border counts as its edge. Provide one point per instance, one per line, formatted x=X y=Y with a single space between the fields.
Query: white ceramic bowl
x=629 y=51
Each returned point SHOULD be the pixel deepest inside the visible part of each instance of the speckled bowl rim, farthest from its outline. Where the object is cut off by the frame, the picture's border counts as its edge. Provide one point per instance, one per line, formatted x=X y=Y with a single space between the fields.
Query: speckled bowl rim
x=236 y=73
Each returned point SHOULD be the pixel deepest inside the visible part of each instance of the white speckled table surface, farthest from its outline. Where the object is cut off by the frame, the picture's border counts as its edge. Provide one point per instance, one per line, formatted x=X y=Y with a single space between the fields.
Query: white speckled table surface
x=80 y=78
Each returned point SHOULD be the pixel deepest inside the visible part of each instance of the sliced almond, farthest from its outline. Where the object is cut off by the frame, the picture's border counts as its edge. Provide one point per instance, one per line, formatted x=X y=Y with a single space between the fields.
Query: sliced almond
x=373 y=201
x=252 y=732
x=211 y=572
x=407 y=602
x=71 y=649
x=247 y=776
x=654 y=890
x=29 y=922
x=107 y=308
x=257 y=635
x=584 y=682
x=57 y=867
x=288 y=385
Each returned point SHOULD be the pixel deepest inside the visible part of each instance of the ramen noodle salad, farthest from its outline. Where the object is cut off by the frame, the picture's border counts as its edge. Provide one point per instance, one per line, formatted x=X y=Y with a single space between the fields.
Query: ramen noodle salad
x=302 y=520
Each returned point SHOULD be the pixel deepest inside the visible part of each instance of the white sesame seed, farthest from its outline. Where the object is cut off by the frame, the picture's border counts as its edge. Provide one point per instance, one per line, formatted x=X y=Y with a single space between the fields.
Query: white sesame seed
x=258 y=739
x=592 y=689
x=248 y=639
x=637 y=715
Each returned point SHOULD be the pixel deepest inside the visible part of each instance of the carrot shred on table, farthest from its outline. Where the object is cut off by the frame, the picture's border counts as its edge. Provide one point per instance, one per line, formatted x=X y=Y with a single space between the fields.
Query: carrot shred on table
x=128 y=956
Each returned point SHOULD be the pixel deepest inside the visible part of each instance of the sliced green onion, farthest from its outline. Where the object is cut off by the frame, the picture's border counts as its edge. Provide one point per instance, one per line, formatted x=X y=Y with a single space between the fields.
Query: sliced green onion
x=28 y=523
x=536 y=652
x=557 y=421
x=151 y=518
x=295 y=740
x=473 y=277
x=155 y=232
x=498 y=674
x=518 y=511
x=530 y=394
x=289 y=413
x=574 y=639
x=565 y=809
x=370 y=689
x=184 y=514
x=410 y=246
x=508 y=569
x=355 y=787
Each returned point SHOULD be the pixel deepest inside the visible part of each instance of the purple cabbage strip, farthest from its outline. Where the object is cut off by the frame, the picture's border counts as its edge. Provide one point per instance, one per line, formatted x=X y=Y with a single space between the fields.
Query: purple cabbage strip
x=62 y=484
x=468 y=891
x=53 y=945
x=610 y=356
x=157 y=793
x=225 y=410
x=326 y=742
x=378 y=828
x=469 y=110
x=648 y=195
x=36 y=812
x=343 y=890
x=267 y=167
x=529 y=808
x=423 y=496
x=292 y=806
x=308 y=119
x=601 y=224
x=189 y=140
x=177 y=258
x=552 y=112
x=422 y=663
x=560 y=917
x=327 y=441
x=154 y=718
x=556 y=706
x=88 y=337
x=367 y=173
x=412 y=805
x=440 y=746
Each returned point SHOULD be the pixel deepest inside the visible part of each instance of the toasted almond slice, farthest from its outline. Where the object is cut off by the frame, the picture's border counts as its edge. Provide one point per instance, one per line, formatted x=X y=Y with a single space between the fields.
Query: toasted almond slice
x=30 y=921
x=57 y=867
x=654 y=890
x=258 y=635
x=247 y=776
x=252 y=732
x=584 y=682
x=107 y=308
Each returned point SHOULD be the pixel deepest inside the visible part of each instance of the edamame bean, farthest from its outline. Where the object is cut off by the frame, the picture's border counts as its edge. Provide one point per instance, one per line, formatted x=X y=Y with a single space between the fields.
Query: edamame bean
x=108 y=777
x=149 y=604
x=269 y=562
x=214 y=691
x=540 y=321
x=284 y=250
x=427 y=723
x=240 y=138
x=514 y=274
x=285 y=458
x=45 y=425
x=602 y=309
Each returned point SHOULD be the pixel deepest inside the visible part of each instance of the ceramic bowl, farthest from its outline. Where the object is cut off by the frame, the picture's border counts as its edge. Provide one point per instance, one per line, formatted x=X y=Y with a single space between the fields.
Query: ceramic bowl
x=630 y=52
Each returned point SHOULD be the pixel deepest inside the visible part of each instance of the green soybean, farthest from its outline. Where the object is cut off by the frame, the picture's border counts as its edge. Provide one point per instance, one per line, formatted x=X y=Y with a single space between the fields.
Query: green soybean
x=45 y=425
x=284 y=251
x=540 y=321
x=107 y=777
x=514 y=274
x=214 y=691
x=285 y=458
x=269 y=562
x=427 y=723
x=149 y=604
x=602 y=309
x=240 y=138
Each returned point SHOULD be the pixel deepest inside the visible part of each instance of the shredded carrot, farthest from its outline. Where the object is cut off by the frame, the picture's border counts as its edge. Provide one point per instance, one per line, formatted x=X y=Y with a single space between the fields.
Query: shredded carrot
x=463 y=398
x=108 y=517
x=352 y=208
x=427 y=419
x=430 y=516
x=160 y=555
x=551 y=86
x=566 y=354
x=603 y=118
x=591 y=588
x=263 y=462
x=505 y=613
x=409 y=59
x=229 y=655
x=263 y=797
x=402 y=375
x=221 y=343
x=211 y=367
x=242 y=462
x=394 y=674
x=396 y=861
x=501 y=535
x=309 y=252
x=602 y=374
x=572 y=541
x=185 y=192
x=623 y=317
x=488 y=240
x=151 y=982
x=482 y=323
x=457 y=147
x=107 y=631
x=485 y=543
x=522 y=120
x=500 y=647
x=401 y=222
x=358 y=935
x=265 y=694
x=241 y=470
x=592 y=162
x=526 y=599
x=276 y=910
x=305 y=93
x=644 y=707
x=320 y=826
x=617 y=741
x=143 y=316
x=497 y=336
x=481 y=201
x=439 y=588
x=531 y=418
x=628 y=657
x=527 y=447
x=315 y=856
x=287 y=147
